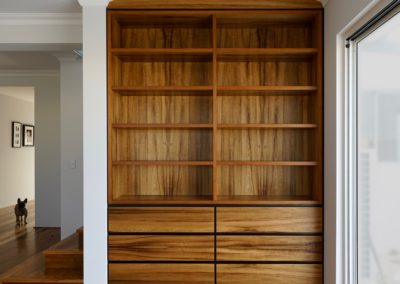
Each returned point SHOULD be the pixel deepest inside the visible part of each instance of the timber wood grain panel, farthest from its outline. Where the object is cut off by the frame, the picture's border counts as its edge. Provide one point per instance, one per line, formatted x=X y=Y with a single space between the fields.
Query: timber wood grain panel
x=162 y=31
x=269 y=248
x=249 y=109
x=161 y=219
x=269 y=220
x=162 y=273
x=167 y=181
x=241 y=71
x=170 y=35
x=260 y=33
x=265 y=145
x=265 y=181
x=215 y=4
x=161 y=248
x=168 y=109
x=269 y=273
x=162 y=144
x=170 y=72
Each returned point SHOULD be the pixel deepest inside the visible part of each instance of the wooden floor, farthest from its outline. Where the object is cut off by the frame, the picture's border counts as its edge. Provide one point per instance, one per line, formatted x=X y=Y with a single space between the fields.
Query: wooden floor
x=18 y=243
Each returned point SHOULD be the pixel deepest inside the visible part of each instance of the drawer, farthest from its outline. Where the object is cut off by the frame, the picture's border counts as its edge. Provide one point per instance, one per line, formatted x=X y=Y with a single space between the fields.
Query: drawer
x=161 y=219
x=161 y=248
x=269 y=248
x=269 y=273
x=269 y=219
x=162 y=273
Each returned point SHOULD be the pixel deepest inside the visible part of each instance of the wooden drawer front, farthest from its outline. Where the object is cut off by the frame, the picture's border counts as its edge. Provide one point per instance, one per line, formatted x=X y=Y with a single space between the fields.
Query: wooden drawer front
x=269 y=273
x=269 y=248
x=162 y=248
x=267 y=220
x=161 y=219
x=162 y=273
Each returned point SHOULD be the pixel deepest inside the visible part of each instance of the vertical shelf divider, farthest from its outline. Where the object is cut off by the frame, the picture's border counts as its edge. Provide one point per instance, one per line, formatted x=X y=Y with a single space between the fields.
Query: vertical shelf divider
x=214 y=106
x=110 y=84
x=319 y=140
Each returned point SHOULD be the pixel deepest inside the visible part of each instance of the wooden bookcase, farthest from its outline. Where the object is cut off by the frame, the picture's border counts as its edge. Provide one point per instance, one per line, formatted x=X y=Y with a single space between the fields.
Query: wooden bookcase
x=215 y=108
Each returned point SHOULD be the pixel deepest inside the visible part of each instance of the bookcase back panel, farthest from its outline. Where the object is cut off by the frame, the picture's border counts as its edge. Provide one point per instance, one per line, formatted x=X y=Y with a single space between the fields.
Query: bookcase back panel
x=261 y=35
x=265 y=72
x=162 y=109
x=153 y=31
x=265 y=109
x=266 y=145
x=161 y=181
x=266 y=182
x=162 y=144
x=160 y=72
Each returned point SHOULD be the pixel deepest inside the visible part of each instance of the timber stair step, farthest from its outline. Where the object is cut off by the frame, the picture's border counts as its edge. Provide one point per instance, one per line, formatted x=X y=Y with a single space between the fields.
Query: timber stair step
x=62 y=264
x=65 y=254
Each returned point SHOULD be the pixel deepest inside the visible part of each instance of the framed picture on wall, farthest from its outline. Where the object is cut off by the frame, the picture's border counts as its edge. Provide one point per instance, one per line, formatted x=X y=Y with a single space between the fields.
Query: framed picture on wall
x=29 y=135
x=16 y=134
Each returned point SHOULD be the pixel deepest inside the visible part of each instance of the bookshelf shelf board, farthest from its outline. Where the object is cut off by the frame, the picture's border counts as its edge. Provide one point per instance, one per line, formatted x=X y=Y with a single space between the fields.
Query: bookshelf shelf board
x=268 y=126
x=164 y=91
x=222 y=199
x=162 y=126
x=273 y=200
x=162 y=163
x=162 y=199
x=269 y=163
x=259 y=53
x=156 y=54
x=266 y=90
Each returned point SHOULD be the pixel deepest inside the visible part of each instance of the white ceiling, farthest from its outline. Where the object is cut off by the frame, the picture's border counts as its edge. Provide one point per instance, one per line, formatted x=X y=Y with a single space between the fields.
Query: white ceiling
x=28 y=60
x=39 y=6
x=22 y=93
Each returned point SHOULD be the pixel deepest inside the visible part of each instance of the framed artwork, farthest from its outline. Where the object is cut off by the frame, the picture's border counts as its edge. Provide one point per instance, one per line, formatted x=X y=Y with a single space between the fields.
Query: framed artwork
x=16 y=134
x=29 y=135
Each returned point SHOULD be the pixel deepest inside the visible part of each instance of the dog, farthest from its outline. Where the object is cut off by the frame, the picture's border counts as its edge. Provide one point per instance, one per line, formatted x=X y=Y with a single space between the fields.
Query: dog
x=21 y=211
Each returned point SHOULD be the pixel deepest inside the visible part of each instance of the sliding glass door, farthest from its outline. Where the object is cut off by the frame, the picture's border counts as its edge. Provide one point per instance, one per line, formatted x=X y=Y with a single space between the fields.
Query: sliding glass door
x=375 y=153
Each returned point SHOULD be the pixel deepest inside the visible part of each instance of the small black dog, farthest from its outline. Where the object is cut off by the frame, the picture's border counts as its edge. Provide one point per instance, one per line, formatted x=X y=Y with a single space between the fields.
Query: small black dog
x=21 y=211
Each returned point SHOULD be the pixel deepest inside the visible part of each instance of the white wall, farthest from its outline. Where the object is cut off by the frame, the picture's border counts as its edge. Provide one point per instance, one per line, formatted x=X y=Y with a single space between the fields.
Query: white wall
x=71 y=95
x=17 y=172
x=47 y=149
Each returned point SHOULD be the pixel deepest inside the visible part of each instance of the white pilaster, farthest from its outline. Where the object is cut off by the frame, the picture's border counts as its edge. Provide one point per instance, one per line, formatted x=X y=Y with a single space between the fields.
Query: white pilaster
x=95 y=140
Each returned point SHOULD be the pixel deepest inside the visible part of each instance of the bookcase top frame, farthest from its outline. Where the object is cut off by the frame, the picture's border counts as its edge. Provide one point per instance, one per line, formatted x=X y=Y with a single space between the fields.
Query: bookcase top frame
x=214 y=4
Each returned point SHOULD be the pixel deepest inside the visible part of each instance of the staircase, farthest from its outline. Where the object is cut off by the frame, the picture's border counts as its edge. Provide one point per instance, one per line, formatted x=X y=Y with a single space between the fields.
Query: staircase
x=61 y=263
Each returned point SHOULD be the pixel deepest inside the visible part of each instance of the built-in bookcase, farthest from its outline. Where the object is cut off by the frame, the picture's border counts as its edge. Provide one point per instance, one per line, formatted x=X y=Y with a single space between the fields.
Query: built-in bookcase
x=215 y=107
